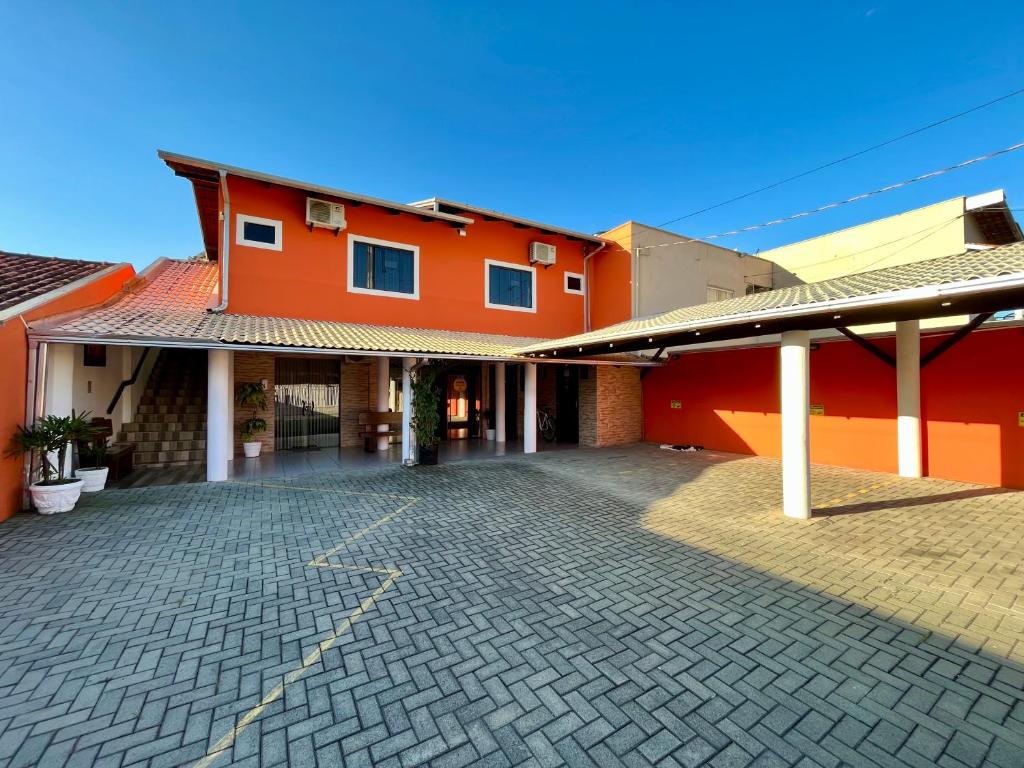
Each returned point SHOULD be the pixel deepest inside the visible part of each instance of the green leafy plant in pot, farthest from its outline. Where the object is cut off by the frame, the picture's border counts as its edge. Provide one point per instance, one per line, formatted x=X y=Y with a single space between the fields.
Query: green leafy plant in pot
x=252 y=395
x=47 y=442
x=92 y=468
x=425 y=416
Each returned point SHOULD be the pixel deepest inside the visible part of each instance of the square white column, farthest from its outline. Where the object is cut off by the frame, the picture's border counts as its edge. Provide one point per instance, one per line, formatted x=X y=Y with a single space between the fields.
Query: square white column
x=383 y=393
x=908 y=398
x=530 y=409
x=59 y=389
x=499 y=402
x=794 y=391
x=218 y=408
x=408 y=446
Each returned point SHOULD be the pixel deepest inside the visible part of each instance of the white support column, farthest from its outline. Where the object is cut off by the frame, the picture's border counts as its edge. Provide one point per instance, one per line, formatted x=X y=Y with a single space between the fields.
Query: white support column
x=218 y=405
x=383 y=390
x=530 y=409
x=794 y=369
x=408 y=448
x=230 y=416
x=499 y=402
x=60 y=380
x=908 y=397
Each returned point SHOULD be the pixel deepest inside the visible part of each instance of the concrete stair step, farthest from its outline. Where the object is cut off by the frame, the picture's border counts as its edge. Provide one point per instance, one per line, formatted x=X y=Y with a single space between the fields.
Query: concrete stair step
x=163 y=457
x=158 y=446
x=144 y=435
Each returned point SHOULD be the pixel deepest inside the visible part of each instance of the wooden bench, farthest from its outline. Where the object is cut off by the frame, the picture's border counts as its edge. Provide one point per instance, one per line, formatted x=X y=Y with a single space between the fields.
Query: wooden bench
x=120 y=457
x=372 y=420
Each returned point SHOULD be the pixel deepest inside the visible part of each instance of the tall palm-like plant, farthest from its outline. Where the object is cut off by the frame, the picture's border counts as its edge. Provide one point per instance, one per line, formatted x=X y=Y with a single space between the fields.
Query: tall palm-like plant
x=252 y=395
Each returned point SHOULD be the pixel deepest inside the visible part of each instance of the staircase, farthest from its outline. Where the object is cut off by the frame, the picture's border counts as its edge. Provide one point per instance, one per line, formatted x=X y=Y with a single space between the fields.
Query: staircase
x=170 y=423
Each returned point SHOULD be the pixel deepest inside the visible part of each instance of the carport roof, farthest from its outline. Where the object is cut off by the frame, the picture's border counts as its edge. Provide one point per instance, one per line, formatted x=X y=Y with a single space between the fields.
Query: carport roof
x=168 y=306
x=970 y=282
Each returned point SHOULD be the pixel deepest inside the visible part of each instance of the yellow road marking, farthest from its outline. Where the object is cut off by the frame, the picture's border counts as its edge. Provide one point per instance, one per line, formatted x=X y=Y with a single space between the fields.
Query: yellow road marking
x=313 y=657
x=854 y=494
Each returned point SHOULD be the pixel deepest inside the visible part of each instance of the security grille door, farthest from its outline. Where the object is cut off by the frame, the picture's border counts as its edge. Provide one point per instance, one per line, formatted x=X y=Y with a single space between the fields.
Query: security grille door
x=306 y=403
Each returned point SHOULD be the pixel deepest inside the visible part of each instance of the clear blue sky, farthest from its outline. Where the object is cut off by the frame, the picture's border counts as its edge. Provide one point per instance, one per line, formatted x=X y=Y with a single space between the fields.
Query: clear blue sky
x=578 y=114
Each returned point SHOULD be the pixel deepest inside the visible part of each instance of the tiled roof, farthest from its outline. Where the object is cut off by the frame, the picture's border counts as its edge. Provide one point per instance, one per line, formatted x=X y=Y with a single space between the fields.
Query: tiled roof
x=944 y=270
x=172 y=305
x=24 y=276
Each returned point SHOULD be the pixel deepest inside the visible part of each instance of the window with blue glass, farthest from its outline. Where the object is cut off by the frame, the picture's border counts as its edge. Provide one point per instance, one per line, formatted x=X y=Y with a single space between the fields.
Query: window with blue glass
x=509 y=287
x=383 y=268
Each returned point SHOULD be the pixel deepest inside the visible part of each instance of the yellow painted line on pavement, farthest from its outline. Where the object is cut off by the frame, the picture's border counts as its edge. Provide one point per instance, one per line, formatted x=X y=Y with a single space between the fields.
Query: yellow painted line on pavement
x=313 y=657
x=856 y=493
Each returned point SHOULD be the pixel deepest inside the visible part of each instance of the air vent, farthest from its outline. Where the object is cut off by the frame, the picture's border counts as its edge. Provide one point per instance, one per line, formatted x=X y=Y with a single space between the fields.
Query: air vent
x=324 y=213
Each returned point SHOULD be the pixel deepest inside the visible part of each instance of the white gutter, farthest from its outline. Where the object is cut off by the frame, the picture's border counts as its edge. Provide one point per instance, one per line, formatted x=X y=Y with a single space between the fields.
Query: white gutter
x=56 y=293
x=889 y=298
x=225 y=250
x=586 y=285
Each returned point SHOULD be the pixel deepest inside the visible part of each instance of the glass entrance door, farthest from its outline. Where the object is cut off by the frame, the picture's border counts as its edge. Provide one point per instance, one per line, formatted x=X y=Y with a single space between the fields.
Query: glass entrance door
x=306 y=403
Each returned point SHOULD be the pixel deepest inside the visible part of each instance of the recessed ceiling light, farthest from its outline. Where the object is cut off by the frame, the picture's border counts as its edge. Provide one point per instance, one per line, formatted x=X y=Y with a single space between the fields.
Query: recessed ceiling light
x=946 y=303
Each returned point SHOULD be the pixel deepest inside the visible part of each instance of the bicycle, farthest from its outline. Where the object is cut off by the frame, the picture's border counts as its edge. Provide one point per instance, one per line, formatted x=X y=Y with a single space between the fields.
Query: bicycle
x=546 y=426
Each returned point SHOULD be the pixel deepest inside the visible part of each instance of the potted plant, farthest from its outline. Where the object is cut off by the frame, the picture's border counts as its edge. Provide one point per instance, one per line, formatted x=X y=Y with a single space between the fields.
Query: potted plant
x=92 y=470
x=425 y=416
x=53 y=492
x=252 y=395
x=489 y=429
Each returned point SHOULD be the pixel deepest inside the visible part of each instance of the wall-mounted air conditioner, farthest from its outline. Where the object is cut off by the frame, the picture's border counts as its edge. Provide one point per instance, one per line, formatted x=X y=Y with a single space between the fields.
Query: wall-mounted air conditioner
x=324 y=213
x=542 y=253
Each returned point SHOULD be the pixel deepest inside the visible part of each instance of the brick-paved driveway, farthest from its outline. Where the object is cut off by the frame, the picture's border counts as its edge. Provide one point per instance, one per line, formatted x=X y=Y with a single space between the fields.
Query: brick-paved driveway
x=618 y=607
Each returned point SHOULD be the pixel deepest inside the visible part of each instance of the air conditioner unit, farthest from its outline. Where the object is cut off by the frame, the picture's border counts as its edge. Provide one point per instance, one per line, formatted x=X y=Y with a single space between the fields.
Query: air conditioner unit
x=324 y=213
x=542 y=253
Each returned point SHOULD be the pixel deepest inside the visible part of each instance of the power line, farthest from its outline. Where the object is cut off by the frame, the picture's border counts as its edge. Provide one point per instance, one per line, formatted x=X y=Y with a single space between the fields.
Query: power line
x=847 y=201
x=851 y=156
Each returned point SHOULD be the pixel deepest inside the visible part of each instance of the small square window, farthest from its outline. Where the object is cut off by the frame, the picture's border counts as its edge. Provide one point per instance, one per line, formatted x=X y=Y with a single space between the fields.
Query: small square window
x=574 y=283
x=257 y=232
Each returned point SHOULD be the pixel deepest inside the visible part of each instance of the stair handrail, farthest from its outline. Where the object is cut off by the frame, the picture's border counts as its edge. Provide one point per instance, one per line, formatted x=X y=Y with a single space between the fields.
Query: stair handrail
x=128 y=382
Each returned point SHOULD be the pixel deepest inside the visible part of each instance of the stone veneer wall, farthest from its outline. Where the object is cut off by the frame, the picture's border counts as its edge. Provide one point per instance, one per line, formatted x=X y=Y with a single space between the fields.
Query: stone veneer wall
x=250 y=367
x=610 y=406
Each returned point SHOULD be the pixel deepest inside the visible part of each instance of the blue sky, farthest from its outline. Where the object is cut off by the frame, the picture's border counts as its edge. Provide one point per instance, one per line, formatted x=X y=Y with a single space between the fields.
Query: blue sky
x=578 y=114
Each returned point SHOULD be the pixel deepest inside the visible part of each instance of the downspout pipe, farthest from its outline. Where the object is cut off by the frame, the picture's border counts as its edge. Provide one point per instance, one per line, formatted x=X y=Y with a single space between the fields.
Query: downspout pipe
x=586 y=286
x=225 y=250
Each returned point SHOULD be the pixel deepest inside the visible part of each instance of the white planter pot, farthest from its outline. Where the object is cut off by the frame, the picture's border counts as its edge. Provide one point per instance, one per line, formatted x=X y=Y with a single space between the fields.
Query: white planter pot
x=93 y=478
x=51 y=499
x=252 y=450
x=490 y=435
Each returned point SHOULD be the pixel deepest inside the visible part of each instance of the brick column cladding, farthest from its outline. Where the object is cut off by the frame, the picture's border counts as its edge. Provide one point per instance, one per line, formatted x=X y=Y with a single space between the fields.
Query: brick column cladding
x=358 y=395
x=610 y=406
x=252 y=367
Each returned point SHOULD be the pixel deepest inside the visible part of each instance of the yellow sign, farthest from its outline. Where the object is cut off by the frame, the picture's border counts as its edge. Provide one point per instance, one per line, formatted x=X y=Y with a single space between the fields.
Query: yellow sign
x=817 y=410
x=678 y=404
x=1020 y=419
x=459 y=385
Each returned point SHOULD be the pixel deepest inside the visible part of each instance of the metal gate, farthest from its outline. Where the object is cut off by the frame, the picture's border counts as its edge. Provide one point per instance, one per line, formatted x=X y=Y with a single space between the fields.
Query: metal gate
x=306 y=403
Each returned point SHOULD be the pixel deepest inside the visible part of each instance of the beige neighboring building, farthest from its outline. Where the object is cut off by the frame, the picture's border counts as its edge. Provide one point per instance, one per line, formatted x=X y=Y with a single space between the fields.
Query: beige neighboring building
x=670 y=270
x=942 y=229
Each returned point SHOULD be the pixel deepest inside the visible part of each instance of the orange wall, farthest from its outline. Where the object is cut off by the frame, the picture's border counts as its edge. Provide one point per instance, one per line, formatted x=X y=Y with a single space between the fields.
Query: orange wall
x=971 y=396
x=13 y=374
x=610 y=280
x=308 y=278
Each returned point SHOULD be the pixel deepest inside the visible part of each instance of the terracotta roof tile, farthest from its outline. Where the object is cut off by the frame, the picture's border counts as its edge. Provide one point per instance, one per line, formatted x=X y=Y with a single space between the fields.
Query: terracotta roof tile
x=24 y=276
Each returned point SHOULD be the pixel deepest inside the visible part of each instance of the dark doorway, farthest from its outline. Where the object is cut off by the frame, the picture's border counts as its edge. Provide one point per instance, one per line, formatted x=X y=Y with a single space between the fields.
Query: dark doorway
x=512 y=402
x=567 y=403
x=306 y=398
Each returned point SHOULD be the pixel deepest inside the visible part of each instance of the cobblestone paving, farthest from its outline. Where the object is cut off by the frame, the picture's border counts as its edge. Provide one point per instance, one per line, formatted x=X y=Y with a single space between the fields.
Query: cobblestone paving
x=590 y=608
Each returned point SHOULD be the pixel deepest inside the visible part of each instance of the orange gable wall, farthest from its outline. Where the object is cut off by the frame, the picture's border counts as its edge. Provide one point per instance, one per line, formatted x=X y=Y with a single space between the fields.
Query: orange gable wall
x=970 y=395
x=610 y=271
x=308 y=278
x=14 y=373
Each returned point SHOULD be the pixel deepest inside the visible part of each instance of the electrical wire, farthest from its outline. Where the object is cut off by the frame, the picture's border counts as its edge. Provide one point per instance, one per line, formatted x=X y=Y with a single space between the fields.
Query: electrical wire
x=845 y=158
x=847 y=201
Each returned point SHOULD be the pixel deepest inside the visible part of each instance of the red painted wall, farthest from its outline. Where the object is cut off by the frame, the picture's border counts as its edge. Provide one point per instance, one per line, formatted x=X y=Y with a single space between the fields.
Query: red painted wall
x=971 y=396
x=13 y=374
x=308 y=278
x=610 y=271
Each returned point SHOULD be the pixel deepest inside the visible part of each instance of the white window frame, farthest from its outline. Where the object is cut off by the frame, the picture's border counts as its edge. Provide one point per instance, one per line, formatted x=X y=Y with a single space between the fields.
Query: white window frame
x=488 y=263
x=353 y=288
x=565 y=284
x=730 y=291
x=242 y=218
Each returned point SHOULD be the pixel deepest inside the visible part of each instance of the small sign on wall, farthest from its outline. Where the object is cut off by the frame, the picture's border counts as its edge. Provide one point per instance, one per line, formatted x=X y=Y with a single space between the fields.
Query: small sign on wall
x=1020 y=419
x=676 y=405
x=817 y=410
